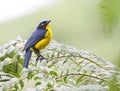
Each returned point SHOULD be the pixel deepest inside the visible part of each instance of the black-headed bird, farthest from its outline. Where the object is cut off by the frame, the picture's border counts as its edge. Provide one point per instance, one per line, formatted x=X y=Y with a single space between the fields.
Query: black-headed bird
x=39 y=39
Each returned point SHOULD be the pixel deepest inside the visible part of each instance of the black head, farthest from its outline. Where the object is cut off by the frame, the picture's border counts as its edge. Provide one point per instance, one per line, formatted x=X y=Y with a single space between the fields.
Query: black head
x=43 y=24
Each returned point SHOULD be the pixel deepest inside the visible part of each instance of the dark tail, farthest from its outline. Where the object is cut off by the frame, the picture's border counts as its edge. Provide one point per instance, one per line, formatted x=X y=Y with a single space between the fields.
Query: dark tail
x=27 y=58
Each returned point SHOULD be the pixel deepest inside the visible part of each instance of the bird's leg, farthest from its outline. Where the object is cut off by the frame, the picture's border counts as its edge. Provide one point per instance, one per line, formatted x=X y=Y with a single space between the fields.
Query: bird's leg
x=37 y=52
x=40 y=56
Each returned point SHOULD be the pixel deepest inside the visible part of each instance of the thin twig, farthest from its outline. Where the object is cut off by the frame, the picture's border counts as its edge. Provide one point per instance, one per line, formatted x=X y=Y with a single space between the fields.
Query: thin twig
x=69 y=74
x=80 y=56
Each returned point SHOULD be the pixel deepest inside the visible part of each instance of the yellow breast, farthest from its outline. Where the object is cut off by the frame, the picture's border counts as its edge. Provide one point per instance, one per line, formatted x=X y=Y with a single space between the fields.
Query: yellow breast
x=44 y=42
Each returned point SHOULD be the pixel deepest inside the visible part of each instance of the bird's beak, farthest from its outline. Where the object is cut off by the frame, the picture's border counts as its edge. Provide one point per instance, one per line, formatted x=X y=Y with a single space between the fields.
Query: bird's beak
x=47 y=25
x=48 y=21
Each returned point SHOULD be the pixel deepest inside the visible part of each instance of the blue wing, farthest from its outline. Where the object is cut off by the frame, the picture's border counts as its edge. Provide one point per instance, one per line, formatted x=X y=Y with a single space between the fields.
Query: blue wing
x=36 y=36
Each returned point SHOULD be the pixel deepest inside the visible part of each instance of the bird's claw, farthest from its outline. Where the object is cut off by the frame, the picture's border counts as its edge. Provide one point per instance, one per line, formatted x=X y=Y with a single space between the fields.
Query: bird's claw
x=40 y=58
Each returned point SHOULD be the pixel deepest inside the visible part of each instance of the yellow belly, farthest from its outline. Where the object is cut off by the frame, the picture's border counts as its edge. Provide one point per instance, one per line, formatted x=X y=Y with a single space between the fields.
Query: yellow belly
x=42 y=43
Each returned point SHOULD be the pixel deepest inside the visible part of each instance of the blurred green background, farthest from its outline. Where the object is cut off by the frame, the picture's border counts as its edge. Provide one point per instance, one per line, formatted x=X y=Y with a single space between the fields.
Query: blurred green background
x=76 y=23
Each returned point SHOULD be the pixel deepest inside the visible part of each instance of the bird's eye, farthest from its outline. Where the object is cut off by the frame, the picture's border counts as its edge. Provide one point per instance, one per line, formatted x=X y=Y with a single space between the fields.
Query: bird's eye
x=42 y=24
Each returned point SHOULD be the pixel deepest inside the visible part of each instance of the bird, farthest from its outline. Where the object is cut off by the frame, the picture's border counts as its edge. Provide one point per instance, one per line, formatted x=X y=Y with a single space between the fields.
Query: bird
x=39 y=39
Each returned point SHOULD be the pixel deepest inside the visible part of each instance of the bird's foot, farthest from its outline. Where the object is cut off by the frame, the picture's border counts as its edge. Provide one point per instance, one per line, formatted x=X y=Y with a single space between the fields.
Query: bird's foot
x=40 y=58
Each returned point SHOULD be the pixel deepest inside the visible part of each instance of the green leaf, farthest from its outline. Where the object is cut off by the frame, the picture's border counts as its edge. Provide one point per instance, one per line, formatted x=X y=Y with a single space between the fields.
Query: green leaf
x=65 y=79
x=4 y=80
x=79 y=79
x=37 y=83
x=101 y=82
x=54 y=73
x=31 y=74
x=53 y=54
x=53 y=63
x=10 y=68
x=59 y=80
x=13 y=68
x=49 y=85
x=21 y=83
x=15 y=88
x=36 y=78
x=65 y=61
